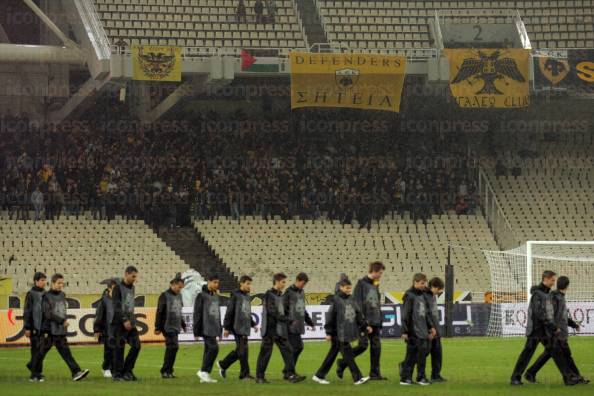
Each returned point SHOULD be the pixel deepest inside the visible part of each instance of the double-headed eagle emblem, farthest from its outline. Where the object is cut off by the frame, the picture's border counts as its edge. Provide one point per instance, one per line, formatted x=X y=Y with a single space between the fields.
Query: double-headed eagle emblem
x=488 y=68
x=156 y=65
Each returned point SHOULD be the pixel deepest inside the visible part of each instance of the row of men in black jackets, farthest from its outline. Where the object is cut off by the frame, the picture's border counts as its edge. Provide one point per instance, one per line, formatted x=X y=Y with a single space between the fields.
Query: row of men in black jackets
x=351 y=317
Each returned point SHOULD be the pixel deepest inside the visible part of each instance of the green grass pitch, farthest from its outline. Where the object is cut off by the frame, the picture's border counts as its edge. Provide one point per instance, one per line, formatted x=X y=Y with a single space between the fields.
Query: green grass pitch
x=473 y=366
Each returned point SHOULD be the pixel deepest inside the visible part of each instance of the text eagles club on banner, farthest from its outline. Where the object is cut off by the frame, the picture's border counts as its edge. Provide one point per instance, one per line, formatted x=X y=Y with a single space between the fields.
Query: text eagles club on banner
x=490 y=78
x=156 y=63
x=359 y=81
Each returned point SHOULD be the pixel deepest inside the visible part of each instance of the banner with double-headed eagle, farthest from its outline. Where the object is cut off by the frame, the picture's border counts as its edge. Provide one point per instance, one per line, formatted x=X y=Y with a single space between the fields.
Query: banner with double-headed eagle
x=490 y=78
x=156 y=63
x=359 y=81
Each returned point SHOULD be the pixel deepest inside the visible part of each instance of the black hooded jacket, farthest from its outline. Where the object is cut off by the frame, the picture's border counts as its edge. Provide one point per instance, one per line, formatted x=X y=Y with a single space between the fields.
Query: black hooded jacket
x=416 y=316
x=541 y=315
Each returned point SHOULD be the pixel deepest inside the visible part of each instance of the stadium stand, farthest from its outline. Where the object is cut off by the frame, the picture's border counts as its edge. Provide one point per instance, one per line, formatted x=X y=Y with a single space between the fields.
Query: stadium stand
x=383 y=25
x=86 y=252
x=203 y=23
x=325 y=249
x=547 y=195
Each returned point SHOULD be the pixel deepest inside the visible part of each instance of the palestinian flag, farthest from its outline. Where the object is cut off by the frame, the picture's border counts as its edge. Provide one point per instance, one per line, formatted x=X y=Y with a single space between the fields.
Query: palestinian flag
x=251 y=64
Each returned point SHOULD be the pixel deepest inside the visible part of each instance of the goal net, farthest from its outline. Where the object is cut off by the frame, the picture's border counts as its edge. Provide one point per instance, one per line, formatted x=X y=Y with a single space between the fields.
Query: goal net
x=514 y=272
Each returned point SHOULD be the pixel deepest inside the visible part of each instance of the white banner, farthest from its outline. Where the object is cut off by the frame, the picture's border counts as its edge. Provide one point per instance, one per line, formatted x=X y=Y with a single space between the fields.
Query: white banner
x=515 y=316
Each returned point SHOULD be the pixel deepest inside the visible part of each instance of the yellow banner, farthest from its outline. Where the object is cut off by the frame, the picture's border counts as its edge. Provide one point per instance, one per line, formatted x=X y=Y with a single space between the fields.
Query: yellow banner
x=156 y=63
x=489 y=78
x=359 y=81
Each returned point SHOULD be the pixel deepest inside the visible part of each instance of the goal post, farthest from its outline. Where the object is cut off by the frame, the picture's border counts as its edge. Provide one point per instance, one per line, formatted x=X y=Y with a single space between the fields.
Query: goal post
x=570 y=252
x=514 y=272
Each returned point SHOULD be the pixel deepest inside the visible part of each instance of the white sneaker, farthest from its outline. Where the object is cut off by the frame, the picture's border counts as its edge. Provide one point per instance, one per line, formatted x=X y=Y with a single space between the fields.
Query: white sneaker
x=362 y=381
x=206 y=378
x=320 y=381
x=106 y=373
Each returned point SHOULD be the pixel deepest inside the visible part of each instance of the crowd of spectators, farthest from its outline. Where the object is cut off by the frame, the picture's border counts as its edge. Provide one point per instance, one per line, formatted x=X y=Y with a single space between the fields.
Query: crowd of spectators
x=107 y=164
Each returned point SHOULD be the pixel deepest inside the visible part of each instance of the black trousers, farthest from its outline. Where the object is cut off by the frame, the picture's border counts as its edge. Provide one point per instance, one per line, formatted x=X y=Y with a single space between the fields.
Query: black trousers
x=416 y=354
x=239 y=353
x=563 y=346
x=120 y=337
x=107 y=354
x=282 y=343
x=35 y=347
x=348 y=359
x=551 y=348
x=211 y=350
x=329 y=359
x=296 y=343
x=171 y=348
x=373 y=338
x=436 y=357
x=61 y=344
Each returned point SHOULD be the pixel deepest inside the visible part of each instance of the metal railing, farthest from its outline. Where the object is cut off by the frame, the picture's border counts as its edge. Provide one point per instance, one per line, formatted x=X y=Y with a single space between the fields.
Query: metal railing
x=96 y=33
x=504 y=234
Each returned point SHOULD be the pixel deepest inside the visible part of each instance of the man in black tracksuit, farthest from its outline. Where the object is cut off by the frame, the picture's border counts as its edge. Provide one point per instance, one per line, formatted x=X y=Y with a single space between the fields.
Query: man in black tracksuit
x=207 y=324
x=368 y=296
x=418 y=331
x=33 y=318
x=53 y=331
x=563 y=321
x=540 y=330
x=169 y=321
x=123 y=327
x=298 y=317
x=274 y=331
x=103 y=317
x=238 y=321
x=435 y=288
x=344 y=324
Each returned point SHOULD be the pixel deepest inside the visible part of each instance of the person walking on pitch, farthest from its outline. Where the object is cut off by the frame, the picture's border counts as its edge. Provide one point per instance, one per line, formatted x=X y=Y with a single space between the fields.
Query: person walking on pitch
x=123 y=327
x=169 y=321
x=238 y=321
x=368 y=296
x=207 y=324
x=33 y=318
x=274 y=331
x=53 y=331
x=540 y=329
x=563 y=322
x=298 y=317
x=435 y=288
x=417 y=330
x=344 y=324
x=103 y=317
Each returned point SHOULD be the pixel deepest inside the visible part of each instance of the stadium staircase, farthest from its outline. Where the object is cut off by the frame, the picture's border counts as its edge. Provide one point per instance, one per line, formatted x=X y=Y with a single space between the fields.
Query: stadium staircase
x=312 y=24
x=191 y=247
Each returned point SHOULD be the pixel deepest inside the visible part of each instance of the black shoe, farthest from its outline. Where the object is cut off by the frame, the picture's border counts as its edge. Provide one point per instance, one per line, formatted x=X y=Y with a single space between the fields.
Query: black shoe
x=286 y=377
x=262 y=381
x=33 y=378
x=438 y=379
x=377 y=378
x=340 y=368
x=166 y=375
x=516 y=382
x=295 y=378
x=247 y=378
x=406 y=382
x=583 y=380
x=80 y=375
x=129 y=377
x=117 y=379
x=530 y=378
x=572 y=382
x=423 y=382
